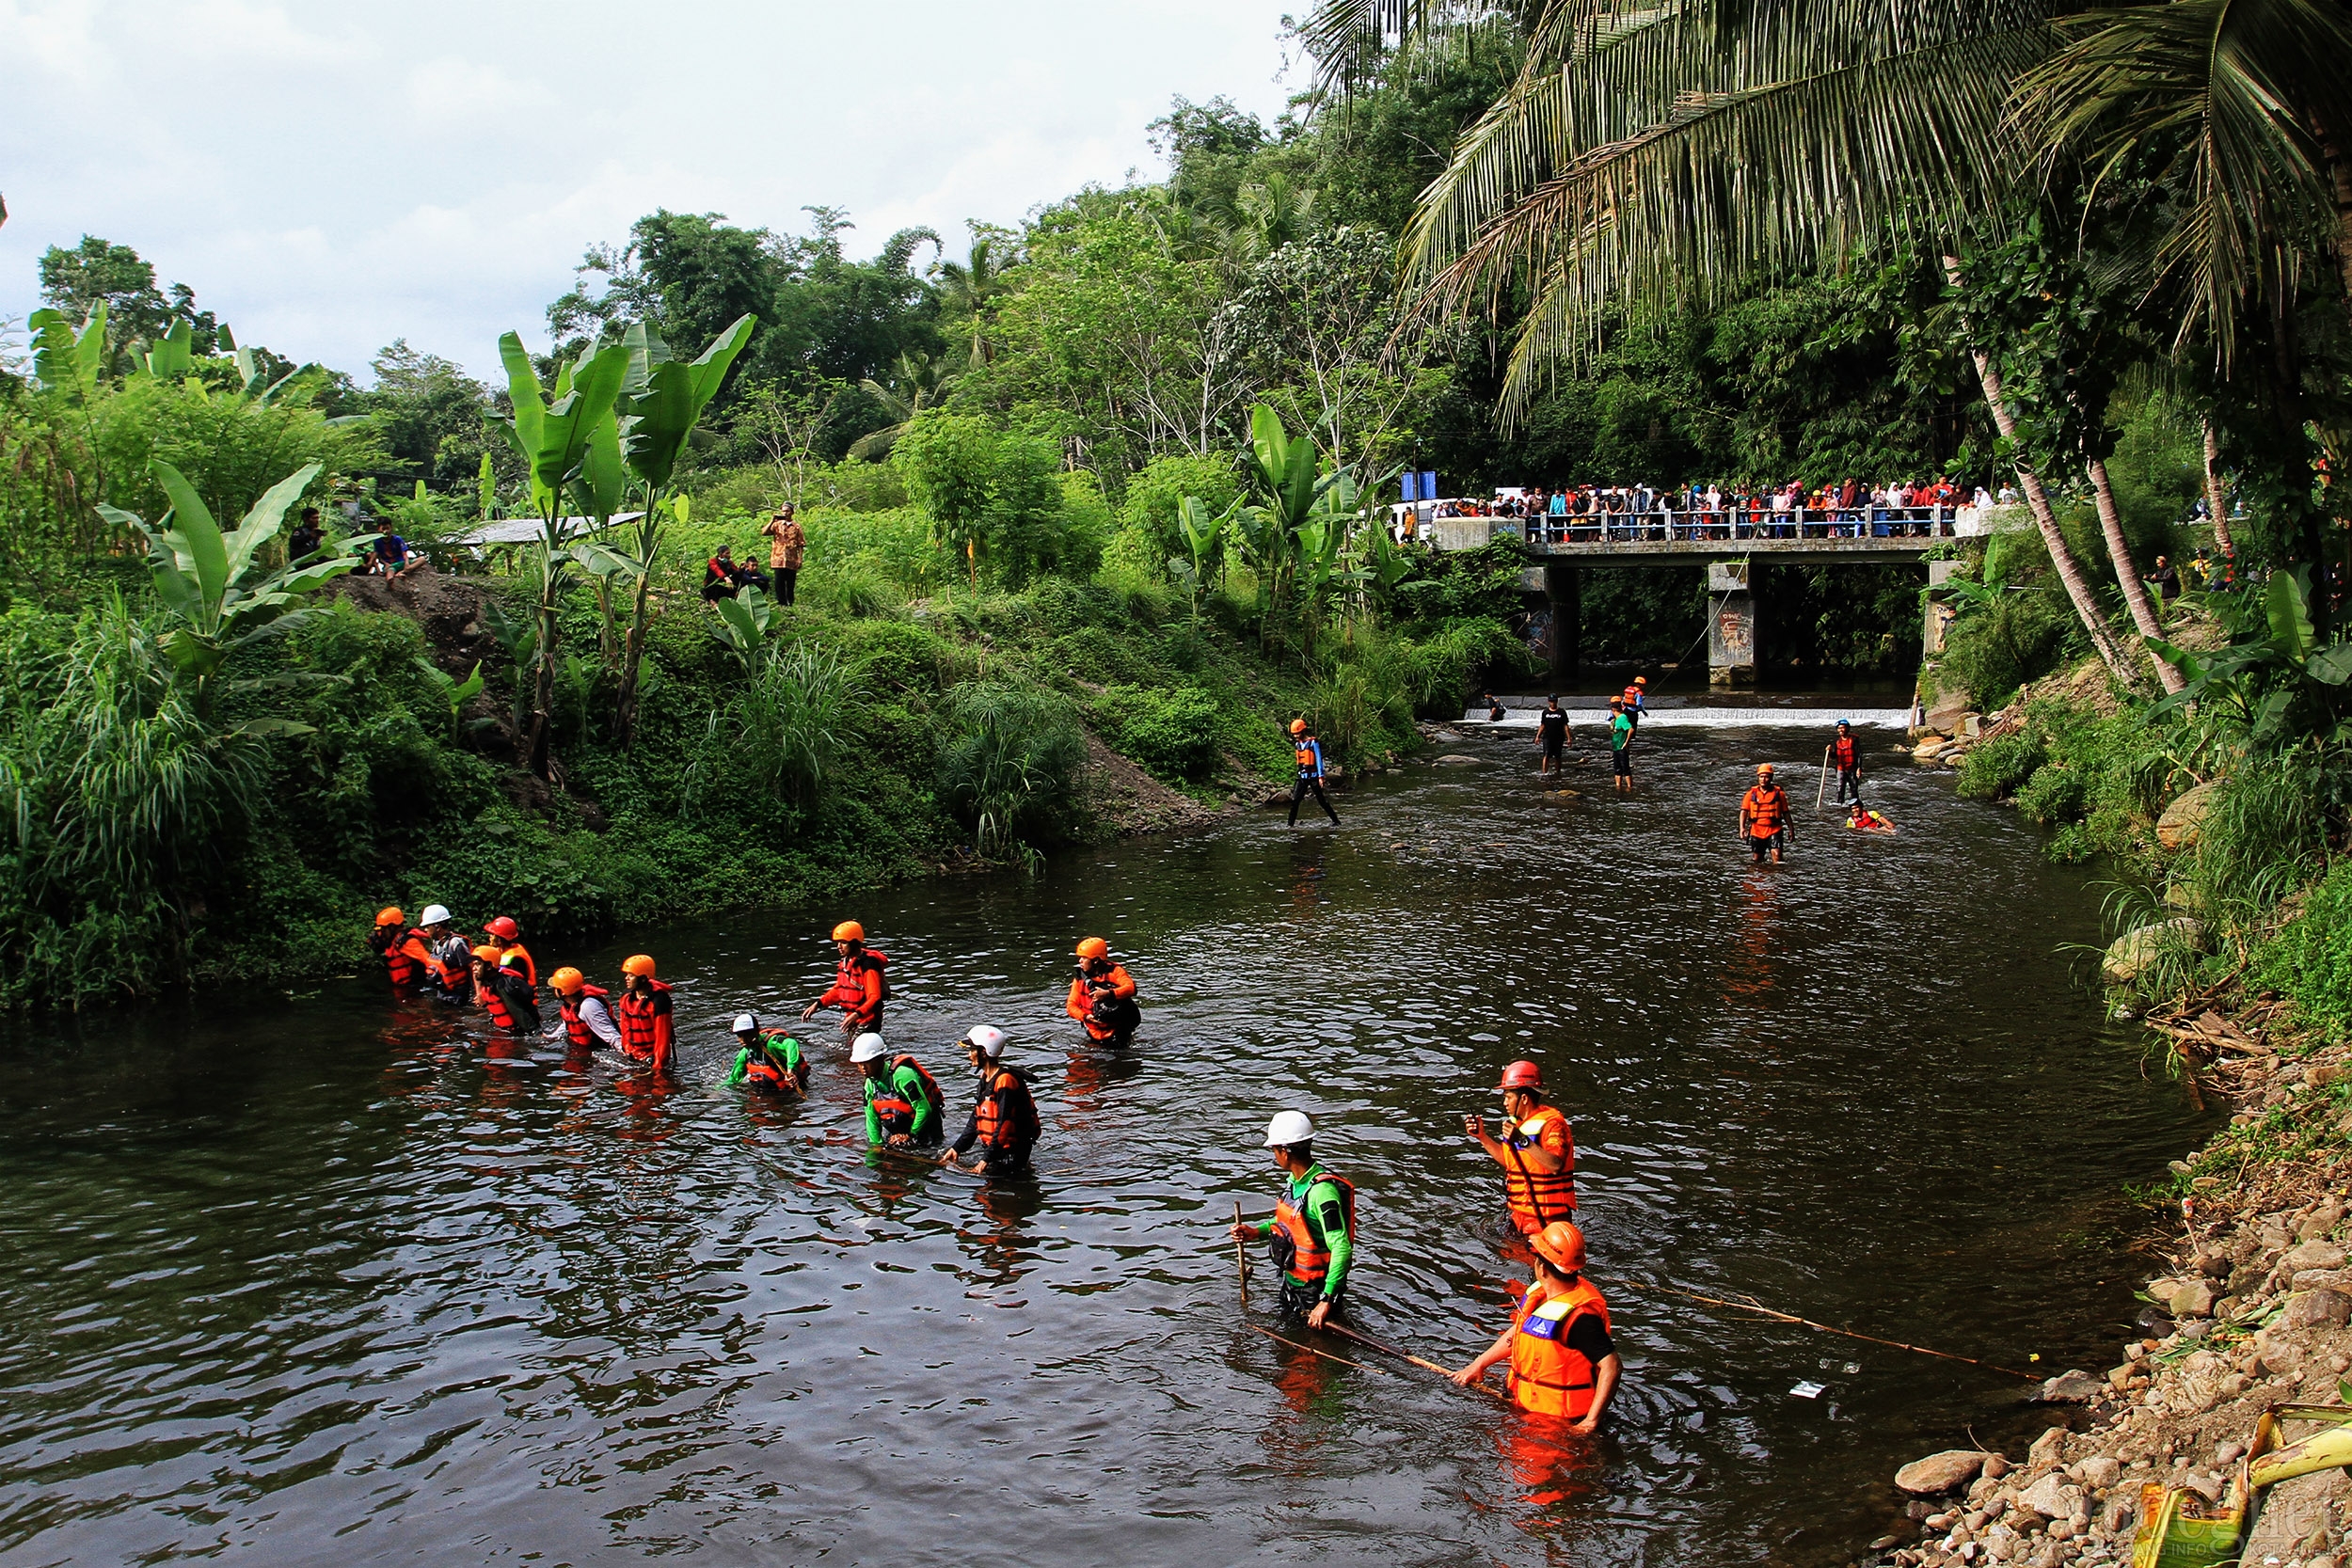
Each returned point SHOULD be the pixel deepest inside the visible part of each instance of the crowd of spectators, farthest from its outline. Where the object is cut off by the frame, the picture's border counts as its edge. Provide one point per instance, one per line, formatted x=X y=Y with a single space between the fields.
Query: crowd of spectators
x=1742 y=511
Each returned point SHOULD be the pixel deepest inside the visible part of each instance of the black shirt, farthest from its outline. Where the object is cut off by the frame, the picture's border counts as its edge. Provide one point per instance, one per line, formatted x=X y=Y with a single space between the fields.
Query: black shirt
x=1553 y=725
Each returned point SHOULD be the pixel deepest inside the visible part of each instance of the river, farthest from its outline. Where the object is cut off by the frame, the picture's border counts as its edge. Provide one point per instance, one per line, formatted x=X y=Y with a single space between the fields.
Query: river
x=316 y=1282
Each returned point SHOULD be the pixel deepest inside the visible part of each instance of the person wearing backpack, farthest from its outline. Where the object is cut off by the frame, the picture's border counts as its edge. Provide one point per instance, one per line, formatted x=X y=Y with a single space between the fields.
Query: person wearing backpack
x=902 y=1098
x=1004 y=1122
x=860 y=983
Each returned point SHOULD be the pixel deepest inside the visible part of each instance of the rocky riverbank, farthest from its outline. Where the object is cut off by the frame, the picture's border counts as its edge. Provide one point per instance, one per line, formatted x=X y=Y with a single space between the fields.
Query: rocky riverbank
x=2249 y=1307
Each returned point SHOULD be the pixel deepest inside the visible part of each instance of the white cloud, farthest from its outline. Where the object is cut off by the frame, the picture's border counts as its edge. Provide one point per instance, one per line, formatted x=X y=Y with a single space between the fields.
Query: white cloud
x=330 y=178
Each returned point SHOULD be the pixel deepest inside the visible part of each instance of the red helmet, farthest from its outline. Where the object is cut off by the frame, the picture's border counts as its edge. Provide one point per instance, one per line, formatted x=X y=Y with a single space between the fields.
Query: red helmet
x=1521 y=1075
x=503 y=928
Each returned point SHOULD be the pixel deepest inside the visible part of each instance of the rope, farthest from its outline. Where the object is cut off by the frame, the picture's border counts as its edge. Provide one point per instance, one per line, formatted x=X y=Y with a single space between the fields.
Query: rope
x=1749 y=1304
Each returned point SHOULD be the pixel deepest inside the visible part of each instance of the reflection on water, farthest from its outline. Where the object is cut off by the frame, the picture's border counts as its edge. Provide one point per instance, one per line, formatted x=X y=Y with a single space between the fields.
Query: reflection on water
x=341 y=1280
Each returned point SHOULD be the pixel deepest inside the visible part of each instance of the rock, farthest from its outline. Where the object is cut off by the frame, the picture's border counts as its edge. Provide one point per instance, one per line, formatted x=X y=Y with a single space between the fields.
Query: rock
x=1940 y=1472
x=2069 y=1387
x=2134 y=951
x=2178 y=827
x=1996 y=1466
x=2319 y=1222
x=2325 y=1309
x=2051 y=1496
x=2100 y=1470
x=1451 y=759
x=2192 y=1298
x=2313 y=1254
x=2046 y=1449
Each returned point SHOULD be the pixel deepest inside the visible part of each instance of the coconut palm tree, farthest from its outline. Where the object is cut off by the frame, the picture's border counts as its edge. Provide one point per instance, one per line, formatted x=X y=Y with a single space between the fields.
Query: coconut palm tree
x=921 y=381
x=971 y=288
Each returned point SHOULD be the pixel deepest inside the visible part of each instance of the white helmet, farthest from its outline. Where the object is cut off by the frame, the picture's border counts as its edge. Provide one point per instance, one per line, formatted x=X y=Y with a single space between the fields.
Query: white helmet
x=435 y=914
x=866 y=1047
x=744 y=1023
x=1288 y=1128
x=989 y=1038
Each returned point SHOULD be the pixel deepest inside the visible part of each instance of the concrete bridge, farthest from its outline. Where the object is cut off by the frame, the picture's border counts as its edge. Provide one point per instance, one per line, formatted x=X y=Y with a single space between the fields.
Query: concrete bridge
x=1728 y=545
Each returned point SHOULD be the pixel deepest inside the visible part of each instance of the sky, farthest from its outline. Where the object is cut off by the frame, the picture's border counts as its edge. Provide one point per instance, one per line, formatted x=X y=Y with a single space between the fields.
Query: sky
x=328 y=177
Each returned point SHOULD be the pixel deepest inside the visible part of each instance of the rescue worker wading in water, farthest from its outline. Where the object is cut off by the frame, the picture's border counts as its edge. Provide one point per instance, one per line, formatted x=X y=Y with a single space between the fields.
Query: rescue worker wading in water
x=585 y=1010
x=902 y=1098
x=1103 y=997
x=407 y=955
x=648 y=1032
x=1308 y=752
x=507 y=938
x=1764 y=816
x=1004 y=1124
x=1314 y=1228
x=768 y=1060
x=1561 y=1361
x=860 y=983
x=1537 y=1151
x=503 y=994
x=1845 y=754
x=452 y=958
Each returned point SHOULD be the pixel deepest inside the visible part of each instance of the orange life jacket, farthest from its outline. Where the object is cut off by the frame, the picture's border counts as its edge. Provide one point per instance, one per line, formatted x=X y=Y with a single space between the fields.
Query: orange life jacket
x=1539 y=1197
x=515 y=1014
x=1632 y=696
x=399 y=962
x=1766 y=808
x=646 y=1030
x=513 y=951
x=1310 y=1259
x=767 y=1068
x=1844 y=748
x=1546 y=1377
x=896 y=1111
x=849 y=991
x=582 y=1037
x=1005 y=1117
x=1104 y=1017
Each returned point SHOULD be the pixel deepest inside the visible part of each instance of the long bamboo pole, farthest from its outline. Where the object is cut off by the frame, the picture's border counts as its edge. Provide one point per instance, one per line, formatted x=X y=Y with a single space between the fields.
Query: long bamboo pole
x=1241 y=1259
x=1763 y=1311
x=1821 y=789
x=1445 y=1372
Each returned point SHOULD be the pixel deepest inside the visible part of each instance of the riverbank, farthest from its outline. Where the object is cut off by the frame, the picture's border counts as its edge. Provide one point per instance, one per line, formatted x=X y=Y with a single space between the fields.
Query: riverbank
x=2235 y=949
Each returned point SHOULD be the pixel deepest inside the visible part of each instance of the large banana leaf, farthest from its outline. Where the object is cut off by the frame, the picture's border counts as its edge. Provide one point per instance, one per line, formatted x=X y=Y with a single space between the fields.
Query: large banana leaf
x=667 y=398
x=63 y=357
x=172 y=357
x=554 y=436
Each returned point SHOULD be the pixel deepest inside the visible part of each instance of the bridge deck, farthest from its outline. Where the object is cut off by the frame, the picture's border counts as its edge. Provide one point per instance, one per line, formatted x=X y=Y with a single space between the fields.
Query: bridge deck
x=1685 y=552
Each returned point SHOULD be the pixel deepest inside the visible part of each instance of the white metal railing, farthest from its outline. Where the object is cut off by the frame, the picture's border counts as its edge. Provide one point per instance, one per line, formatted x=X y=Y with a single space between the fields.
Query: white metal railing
x=1737 y=522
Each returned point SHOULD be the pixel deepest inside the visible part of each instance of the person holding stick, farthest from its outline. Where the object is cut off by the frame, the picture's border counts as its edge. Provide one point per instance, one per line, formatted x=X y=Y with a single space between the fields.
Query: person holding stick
x=1313 y=1228
x=1561 y=1361
x=1845 y=754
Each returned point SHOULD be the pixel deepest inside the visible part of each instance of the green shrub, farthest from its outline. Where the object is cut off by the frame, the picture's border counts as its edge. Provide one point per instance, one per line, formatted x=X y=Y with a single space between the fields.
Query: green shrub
x=1010 y=769
x=2018 y=637
x=1173 y=732
x=1997 y=770
x=2308 y=961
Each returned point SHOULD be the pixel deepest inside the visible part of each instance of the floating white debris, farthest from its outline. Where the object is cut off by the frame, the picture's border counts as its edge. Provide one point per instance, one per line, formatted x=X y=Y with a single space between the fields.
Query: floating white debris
x=1809 y=1390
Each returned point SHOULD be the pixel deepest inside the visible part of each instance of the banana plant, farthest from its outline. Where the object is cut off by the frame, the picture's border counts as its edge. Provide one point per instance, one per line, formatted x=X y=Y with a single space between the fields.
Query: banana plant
x=554 y=435
x=661 y=401
x=208 y=582
x=457 y=693
x=745 y=623
x=66 y=360
x=1291 y=492
x=2281 y=683
x=169 y=357
x=1203 y=533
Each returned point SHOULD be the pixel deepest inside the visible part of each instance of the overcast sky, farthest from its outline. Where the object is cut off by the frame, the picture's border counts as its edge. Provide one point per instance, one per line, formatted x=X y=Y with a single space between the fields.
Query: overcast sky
x=328 y=177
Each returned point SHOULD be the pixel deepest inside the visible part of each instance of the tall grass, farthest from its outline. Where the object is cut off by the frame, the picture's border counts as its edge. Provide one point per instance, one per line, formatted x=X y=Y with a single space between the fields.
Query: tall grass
x=1012 y=765
x=785 y=731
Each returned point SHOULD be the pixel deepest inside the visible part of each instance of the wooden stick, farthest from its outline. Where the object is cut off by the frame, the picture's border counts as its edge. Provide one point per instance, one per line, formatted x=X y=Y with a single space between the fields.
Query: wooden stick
x=1311 y=1349
x=1241 y=1259
x=1761 y=1310
x=1822 y=788
x=1365 y=1339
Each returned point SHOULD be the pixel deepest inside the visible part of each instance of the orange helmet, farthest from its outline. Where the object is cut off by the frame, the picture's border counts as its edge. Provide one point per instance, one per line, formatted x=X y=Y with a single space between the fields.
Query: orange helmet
x=1094 y=947
x=390 y=915
x=1521 y=1075
x=1763 y=770
x=1562 y=1246
x=1299 y=726
x=1641 y=680
x=848 y=930
x=638 y=963
x=567 y=979
x=488 y=954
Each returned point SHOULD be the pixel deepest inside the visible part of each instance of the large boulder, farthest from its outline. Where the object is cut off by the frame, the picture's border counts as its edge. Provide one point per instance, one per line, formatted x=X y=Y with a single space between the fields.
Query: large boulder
x=2052 y=1497
x=2311 y=1254
x=2178 y=827
x=2322 y=1309
x=2191 y=1298
x=2134 y=951
x=1940 y=1472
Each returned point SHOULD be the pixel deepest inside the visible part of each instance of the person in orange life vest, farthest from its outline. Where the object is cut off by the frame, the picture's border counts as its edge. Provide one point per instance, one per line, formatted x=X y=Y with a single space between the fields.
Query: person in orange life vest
x=1103 y=997
x=1845 y=754
x=1003 y=1121
x=1864 y=819
x=647 y=1031
x=1537 y=1151
x=407 y=959
x=503 y=994
x=904 y=1101
x=1314 y=1228
x=450 y=955
x=507 y=938
x=1764 y=816
x=1307 y=753
x=859 y=984
x=1561 y=1361
x=768 y=1060
x=585 y=1011
x=1636 y=700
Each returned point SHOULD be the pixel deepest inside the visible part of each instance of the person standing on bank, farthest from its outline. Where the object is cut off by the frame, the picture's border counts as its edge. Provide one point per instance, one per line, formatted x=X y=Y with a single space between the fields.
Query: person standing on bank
x=1845 y=754
x=1621 y=744
x=1561 y=1361
x=1307 y=753
x=1551 y=727
x=1764 y=816
x=785 y=545
x=1313 y=1228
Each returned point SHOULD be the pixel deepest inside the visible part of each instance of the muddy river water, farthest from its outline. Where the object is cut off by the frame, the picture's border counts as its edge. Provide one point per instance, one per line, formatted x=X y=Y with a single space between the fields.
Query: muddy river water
x=314 y=1281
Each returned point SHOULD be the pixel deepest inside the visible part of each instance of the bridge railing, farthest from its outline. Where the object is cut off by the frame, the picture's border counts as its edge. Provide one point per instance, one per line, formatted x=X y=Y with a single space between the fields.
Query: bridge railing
x=1735 y=522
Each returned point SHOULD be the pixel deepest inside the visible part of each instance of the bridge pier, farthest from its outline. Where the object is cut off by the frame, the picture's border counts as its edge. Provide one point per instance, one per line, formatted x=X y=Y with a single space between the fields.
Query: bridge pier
x=1731 y=629
x=1564 y=587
